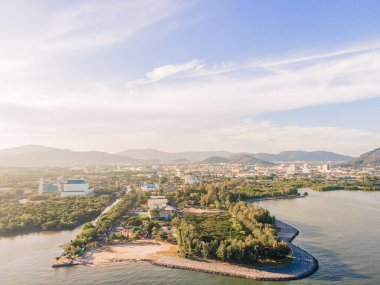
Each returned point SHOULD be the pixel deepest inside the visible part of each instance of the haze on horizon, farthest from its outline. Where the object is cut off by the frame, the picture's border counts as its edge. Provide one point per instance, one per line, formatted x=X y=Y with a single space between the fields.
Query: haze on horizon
x=254 y=76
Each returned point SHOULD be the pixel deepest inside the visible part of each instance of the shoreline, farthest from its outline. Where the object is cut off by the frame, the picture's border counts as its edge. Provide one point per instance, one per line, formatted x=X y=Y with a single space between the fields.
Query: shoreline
x=165 y=255
x=273 y=198
x=302 y=266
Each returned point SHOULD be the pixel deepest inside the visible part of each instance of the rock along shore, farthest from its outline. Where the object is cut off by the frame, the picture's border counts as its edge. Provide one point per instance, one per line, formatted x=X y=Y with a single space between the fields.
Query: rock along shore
x=302 y=265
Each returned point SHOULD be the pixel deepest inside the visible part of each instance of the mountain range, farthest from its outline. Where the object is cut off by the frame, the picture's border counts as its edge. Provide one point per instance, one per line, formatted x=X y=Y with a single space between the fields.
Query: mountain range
x=207 y=156
x=371 y=158
x=237 y=159
x=37 y=155
x=152 y=154
x=300 y=155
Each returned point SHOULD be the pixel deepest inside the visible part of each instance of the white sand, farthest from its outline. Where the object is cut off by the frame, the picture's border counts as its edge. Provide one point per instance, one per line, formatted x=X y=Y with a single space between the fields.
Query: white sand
x=130 y=251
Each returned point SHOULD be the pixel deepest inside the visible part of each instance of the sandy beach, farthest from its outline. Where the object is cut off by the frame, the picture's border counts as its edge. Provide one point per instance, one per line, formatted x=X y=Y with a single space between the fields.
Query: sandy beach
x=165 y=254
x=139 y=250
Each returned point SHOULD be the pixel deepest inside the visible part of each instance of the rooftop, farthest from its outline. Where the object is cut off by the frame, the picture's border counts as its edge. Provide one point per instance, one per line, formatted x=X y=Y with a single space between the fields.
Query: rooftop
x=76 y=181
x=157 y=202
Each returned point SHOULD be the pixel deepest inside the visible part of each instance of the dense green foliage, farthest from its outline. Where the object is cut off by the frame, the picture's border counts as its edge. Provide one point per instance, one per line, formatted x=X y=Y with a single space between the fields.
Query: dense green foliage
x=11 y=196
x=54 y=213
x=368 y=183
x=245 y=235
x=91 y=233
x=252 y=217
x=106 y=221
x=326 y=187
x=222 y=194
x=208 y=227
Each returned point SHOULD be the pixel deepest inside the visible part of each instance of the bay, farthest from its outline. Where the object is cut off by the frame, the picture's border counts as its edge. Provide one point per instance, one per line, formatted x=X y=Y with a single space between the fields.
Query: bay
x=341 y=229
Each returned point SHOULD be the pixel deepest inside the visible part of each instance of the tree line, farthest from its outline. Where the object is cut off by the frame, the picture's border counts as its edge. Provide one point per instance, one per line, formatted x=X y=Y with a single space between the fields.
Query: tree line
x=91 y=233
x=223 y=194
x=54 y=213
x=244 y=235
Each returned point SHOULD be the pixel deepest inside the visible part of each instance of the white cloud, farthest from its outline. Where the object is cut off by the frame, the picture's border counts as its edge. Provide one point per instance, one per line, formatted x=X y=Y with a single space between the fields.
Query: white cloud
x=190 y=105
x=263 y=136
x=34 y=38
x=84 y=24
x=170 y=70
x=235 y=90
x=95 y=24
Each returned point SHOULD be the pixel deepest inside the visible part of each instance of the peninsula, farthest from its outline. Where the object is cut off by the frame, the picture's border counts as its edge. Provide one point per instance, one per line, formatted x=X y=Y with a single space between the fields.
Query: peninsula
x=232 y=238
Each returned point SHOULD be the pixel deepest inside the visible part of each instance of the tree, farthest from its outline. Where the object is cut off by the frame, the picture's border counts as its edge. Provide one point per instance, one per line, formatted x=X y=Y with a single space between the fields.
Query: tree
x=161 y=236
x=217 y=204
x=221 y=253
x=205 y=250
x=154 y=213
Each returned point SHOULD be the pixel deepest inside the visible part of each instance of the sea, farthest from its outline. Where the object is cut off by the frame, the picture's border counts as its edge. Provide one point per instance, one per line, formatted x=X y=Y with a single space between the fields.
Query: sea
x=340 y=228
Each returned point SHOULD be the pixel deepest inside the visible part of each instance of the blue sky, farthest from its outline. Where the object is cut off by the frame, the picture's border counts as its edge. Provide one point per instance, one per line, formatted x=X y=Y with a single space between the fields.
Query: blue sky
x=259 y=76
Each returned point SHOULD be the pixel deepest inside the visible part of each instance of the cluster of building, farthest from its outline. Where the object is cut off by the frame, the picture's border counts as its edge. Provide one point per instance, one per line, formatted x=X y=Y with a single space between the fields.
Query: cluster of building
x=70 y=187
x=160 y=204
x=293 y=169
x=191 y=179
x=194 y=173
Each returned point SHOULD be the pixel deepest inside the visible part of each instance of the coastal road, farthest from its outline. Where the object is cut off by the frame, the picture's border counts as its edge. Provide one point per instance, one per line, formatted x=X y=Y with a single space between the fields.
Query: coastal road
x=115 y=228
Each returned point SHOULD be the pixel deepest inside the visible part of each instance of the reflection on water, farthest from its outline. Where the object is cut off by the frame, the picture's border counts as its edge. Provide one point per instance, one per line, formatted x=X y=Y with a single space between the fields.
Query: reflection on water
x=340 y=229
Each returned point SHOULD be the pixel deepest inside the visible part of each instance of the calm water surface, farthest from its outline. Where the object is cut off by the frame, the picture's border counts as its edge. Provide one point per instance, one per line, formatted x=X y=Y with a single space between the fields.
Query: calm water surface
x=341 y=229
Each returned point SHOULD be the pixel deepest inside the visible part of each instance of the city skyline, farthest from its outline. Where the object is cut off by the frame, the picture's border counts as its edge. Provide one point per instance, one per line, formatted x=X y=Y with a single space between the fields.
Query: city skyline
x=199 y=75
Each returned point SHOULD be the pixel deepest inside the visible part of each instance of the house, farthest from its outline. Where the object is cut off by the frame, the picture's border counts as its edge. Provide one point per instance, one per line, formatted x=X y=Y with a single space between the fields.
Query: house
x=150 y=187
x=170 y=188
x=160 y=203
x=157 y=204
x=167 y=212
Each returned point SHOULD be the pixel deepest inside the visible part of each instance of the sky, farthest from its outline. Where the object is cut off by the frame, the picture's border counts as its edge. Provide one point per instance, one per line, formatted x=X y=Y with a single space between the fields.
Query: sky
x=245 y=75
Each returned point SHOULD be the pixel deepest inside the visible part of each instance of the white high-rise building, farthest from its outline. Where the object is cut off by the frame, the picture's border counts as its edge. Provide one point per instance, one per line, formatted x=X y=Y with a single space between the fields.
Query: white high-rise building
x=291 y=170
x=191 y=179
x=305 y=169
x=326 y=167
x=76 y=187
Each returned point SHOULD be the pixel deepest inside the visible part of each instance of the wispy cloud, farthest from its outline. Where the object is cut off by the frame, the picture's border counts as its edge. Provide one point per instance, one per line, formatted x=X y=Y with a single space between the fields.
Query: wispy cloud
x=210 y=103
x=37 y=42
x=237 y=90
x=195 y=104
x=264 y=136
x=170 y=70
x=95 y=24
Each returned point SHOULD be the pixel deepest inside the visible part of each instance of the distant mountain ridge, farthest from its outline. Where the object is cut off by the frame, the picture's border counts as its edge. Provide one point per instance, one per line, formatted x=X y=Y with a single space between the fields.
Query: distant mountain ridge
x=37 y=155
x=371 y=158
x=199 y=156
x=299 y=155
x=250 y=159
x=193 y=156
x=216 y=159
x=237 y=159
x=24 y=149
x=33 y=155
